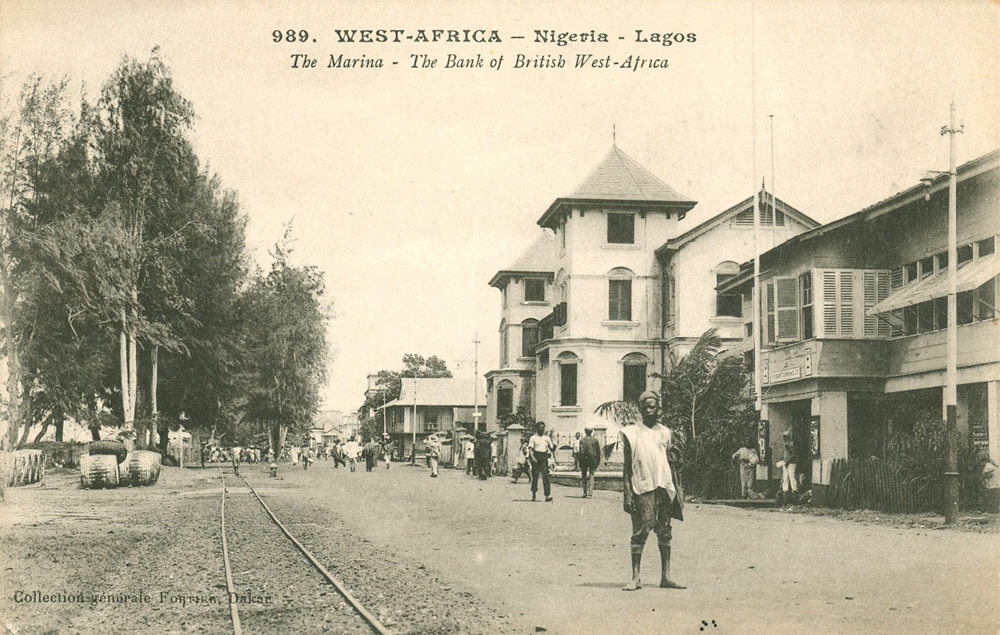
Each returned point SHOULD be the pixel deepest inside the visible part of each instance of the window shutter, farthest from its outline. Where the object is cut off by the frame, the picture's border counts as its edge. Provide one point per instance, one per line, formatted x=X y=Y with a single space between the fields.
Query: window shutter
x=786 y=292
x=769 y=312
x=883 y=293
x=871 y=295
x=830 y=303
x=847 y=303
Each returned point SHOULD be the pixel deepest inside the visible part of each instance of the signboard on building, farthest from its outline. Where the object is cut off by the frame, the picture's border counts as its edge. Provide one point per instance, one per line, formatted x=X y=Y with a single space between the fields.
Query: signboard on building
x=786 y=374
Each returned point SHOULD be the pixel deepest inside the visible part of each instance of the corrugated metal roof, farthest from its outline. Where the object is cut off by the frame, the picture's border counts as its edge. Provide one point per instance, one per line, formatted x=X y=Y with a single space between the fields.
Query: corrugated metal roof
x=439 y=391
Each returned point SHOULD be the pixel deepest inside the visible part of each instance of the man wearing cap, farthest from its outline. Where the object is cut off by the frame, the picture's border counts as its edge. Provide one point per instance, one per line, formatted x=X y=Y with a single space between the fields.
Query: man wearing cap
x=433 y=452
x=589 y=458
x=652 y=490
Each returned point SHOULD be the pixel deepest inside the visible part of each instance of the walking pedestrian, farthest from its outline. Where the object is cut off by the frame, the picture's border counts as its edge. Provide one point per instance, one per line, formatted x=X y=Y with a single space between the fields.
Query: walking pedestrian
x=433 y=452
x=524 y=462
x=371 y=455
x=589 y=458
x=652 y=491
x=351 y=451
x=542 y=447
x=748 y=460
x=307 y=457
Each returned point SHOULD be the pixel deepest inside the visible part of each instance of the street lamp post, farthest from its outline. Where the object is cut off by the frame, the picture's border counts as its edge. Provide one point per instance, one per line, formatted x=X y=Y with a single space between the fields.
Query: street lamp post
x=951 y=387
x=951 y=484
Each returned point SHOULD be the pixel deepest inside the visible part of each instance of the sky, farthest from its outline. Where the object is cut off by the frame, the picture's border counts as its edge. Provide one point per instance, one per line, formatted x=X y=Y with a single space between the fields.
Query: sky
x=409 y=188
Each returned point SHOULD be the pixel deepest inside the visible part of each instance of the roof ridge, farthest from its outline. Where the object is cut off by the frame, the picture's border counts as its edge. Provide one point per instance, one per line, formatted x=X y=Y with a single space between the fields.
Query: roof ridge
x=621 y=153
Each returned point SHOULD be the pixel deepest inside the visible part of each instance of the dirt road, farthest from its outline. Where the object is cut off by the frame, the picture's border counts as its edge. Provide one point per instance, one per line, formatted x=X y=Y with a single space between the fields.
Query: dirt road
x=459 y=555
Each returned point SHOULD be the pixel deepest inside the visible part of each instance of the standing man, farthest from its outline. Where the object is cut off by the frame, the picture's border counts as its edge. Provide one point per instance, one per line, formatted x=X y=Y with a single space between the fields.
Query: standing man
x=789 y=480
x=482 y=455
x=748 y=461
x=433 y=452
x=541 y=447
x=589 y=458
x=469 y=451
x=576 y=451
x=652 y=490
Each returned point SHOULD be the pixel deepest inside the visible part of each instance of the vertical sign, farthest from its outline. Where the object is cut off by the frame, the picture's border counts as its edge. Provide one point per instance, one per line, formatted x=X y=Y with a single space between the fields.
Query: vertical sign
x=814 y=436
x=763 y=440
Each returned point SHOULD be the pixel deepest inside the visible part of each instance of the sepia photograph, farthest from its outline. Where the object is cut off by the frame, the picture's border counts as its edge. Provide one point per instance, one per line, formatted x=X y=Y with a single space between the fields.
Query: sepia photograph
x=457 y=317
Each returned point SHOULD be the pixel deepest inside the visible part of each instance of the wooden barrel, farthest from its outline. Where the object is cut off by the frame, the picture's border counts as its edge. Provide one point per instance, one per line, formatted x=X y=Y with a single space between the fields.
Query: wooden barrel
x=142 y=467
x=98 y=470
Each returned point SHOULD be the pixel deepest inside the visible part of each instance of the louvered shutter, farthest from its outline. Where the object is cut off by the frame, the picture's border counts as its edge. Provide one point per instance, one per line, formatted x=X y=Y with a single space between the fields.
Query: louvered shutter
x=830 y=303
x=883 y=293
x=871 y=295
x=895 y=326
x=769 y=312
x=787 y=313
x=846 y=293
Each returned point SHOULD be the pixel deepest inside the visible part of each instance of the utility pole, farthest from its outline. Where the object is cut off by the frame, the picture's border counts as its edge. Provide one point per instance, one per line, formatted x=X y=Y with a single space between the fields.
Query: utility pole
x=951 y=386
x=475 y=386
x=413 y=453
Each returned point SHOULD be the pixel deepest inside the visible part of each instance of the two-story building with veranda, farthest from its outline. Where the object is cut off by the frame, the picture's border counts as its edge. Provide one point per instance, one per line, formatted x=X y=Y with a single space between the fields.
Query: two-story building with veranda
x=625 y=290
x=428 y=405
x=854 y=322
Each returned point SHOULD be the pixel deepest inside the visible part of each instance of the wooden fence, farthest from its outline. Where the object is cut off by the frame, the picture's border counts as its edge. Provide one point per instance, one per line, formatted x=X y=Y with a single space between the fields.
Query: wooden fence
x=874 y=484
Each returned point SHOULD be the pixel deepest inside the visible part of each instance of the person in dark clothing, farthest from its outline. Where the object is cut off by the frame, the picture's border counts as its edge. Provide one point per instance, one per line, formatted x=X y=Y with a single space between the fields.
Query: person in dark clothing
x=371 y=455
x=589 y=458
x=482 y=462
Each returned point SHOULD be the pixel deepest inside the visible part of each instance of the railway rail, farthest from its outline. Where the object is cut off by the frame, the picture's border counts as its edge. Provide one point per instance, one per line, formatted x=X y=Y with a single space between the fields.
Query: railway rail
x=373 y=622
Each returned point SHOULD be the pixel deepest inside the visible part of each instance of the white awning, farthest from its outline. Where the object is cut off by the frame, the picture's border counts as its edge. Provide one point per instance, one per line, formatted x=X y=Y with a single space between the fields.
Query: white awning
x=970 y=276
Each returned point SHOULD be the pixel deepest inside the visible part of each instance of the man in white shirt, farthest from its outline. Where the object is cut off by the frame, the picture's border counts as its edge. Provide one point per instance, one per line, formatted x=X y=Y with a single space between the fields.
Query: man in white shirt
x=652 y=491
x=541 y=447
x=470 y=454
x=351 y=452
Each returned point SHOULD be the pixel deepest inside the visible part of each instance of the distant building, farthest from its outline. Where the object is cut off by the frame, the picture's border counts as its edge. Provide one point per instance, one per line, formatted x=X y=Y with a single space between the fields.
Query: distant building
x=441 y=404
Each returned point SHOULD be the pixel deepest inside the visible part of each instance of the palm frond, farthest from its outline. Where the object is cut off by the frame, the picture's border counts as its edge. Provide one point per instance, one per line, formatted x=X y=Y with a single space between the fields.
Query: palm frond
x=624 y=413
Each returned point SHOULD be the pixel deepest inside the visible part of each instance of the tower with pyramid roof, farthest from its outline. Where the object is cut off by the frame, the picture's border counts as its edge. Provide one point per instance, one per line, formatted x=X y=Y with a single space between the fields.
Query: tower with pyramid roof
x=626 y=287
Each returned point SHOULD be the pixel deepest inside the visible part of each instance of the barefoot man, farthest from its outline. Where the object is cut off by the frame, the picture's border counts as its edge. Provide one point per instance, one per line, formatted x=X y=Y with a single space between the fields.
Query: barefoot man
x=652 y=495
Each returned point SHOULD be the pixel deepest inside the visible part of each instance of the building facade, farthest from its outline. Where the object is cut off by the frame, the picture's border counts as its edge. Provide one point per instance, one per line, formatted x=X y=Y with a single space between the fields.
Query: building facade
x=625 y=291
x=431 y=405
x=854 y=317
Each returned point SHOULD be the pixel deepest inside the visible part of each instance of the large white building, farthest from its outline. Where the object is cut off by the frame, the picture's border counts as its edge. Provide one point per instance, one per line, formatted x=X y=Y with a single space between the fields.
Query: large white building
x=595 y=308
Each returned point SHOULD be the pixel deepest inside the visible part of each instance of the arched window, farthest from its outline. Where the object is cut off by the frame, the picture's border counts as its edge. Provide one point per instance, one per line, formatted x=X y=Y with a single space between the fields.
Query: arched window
x=562 y=289
x=529 y=337
x=569 y=376
x=503 y=343
x=620 y=294
x=505 y=398
x=727 y=304
x=635 y=369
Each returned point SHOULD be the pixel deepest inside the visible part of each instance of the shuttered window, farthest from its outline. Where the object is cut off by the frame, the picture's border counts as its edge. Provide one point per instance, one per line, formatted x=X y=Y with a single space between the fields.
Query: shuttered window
x=847 y=303
x=830 y=304
x=876 y=289
x=786 y=314
x=769 y=312
x=895 y=325
x=620 y=300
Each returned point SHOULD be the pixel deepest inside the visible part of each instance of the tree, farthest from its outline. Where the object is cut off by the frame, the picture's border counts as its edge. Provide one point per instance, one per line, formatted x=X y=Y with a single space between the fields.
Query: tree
x=145 y=172
x=285 y=338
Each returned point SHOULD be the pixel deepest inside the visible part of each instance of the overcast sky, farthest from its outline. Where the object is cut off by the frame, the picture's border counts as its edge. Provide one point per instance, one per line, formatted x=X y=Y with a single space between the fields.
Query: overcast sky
x=410 y=188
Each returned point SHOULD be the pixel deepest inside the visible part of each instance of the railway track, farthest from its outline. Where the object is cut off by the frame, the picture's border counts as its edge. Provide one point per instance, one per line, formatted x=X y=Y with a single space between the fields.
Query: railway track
x=302 y=576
